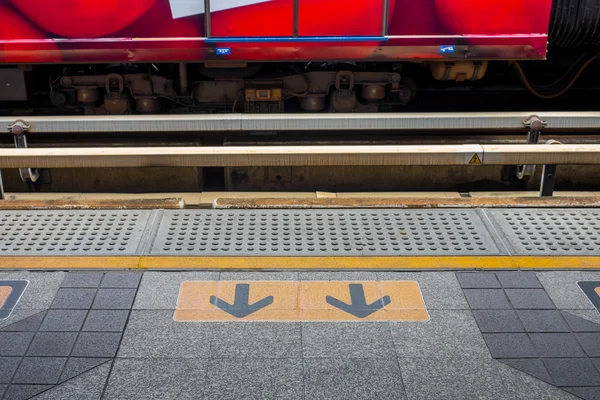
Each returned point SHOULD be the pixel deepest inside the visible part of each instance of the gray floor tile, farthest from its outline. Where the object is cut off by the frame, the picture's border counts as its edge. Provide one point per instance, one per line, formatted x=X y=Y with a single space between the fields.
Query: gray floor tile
x=80 y=299
x=63 y=320
x=478 y=280
x=23 y=321
x=338 y=276
x=41 y=289
x=518 y=280
x=448 y=333
x=14 y=343
x=255 y=379
x=572 y=371
x=497 y=321
x=562 y=288
x=590 y=342
x=153 y=333
x=522 y=386
x=556 y=345
x=82 y=280
x=167 y=284
x=114 y=299
x=76 y=366
x=2 y=389
x=157 y=379
x=487 y=299
x=352 y=378
x=39 y=370
x=121 y=279
x=509 y=345
x=529 y=299
x=52 y=344
x=96 y=344
x=258 y=276
x=543 y=321
x=24 y=392
x=8 y=366
x=441 y=290
x=530 y=366
x=452 y=378
x=347 y=340
x=256 y=339
x=88 y=386
x=585 y=393
x=596 y=362
x=583 y=320
x=106 y=321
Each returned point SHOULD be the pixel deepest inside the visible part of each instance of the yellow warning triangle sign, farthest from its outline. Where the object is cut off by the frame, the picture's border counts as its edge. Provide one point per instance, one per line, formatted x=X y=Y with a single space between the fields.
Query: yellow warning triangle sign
x=475 y=159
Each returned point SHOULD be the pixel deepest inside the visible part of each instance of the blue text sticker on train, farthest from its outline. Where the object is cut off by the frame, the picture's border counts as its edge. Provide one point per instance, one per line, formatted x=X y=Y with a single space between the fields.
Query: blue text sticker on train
x=447 y=49
x=223 y=51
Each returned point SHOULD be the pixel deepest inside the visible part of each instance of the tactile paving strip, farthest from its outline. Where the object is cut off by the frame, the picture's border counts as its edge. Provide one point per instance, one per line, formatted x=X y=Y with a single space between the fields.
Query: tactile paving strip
x=322 y=233
x=55 y=233
x=550 y=231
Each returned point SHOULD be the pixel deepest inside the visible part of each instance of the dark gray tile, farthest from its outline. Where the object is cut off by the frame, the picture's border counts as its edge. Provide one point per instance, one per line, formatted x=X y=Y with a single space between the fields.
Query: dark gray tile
x=23 y=392
x=255 y=379
x=76 y=366
x=556 y=345
x=40 y=370
x=530 y=299
x=53 y=344
x=572 y=371
x=106 y=320
x=347 y=340
x=352 y=378
x=78 y=299
x=543 y=321
x=586 y=393
x=518 y=280
x=159 y=379
x=596 y=362
x=590 y=342
x=498 y=321
x=14 y=343
x=82 y=279
x=63 y=320
x=29 y=324
x=258 y=339
x=478 y=280
x=579 y=324
x=114 y=299
x=509 y=345
x=8 y=366
x=2 y=389
x=531 y=366
x=129 y=279
x=487 y=299
x=91 y=344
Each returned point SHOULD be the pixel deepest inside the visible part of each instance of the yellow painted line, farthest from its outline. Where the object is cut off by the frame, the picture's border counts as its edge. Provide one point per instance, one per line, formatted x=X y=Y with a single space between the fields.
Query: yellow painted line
x=322 y=263
x=300 y=301
x=5 y=291
x=75 y=262
x=328 y=263
x=597 y=290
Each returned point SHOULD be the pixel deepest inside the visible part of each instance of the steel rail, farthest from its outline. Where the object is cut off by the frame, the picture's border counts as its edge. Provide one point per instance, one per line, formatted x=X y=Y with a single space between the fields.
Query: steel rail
x=303 y=122
x=98 y=157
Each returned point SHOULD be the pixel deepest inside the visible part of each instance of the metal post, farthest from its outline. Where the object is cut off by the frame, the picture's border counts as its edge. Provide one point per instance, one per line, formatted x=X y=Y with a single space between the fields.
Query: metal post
x=296 y=17
x=1 y=187
x=548 y=181
x=207 y=18
x=384 y=25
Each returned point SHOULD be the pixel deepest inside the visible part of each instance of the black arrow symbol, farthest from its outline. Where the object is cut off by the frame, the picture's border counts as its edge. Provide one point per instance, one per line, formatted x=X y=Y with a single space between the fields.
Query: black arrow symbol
x=358 y=304
x=241 y=307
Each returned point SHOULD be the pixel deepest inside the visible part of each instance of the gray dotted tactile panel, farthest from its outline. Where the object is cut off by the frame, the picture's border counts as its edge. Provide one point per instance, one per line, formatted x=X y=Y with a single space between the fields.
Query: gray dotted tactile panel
x=84 y=233
x=322 y=233
x=550 y=231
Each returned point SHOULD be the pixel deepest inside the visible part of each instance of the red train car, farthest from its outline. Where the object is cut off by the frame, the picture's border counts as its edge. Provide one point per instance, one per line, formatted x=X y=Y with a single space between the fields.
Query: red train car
x=148 y=56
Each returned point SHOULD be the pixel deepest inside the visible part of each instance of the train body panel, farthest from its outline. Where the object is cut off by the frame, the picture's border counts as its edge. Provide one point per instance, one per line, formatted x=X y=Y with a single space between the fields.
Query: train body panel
x=102 y=31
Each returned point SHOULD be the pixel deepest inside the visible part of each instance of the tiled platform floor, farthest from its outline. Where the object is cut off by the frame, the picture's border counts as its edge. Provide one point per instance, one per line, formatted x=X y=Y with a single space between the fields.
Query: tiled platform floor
x=111 y=335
